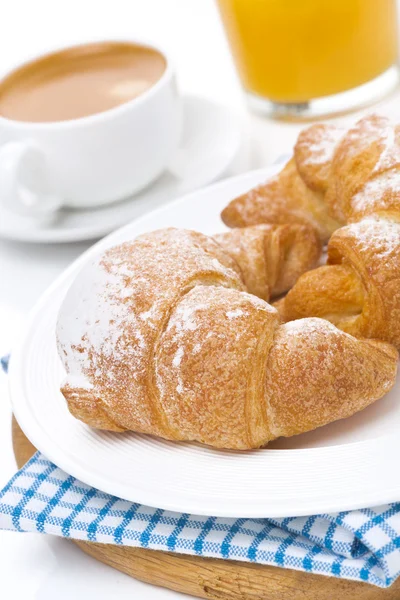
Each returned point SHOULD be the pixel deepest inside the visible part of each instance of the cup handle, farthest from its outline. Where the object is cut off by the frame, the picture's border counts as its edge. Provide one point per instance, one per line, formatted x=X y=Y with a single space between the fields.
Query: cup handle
x=24 y=186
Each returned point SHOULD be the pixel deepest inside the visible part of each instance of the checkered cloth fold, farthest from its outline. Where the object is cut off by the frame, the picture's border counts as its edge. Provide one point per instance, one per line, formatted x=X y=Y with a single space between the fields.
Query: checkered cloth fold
x=362 y=545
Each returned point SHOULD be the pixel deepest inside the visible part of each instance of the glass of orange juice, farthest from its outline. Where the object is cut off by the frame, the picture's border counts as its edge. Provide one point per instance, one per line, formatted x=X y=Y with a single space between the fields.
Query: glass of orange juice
x=306 y=58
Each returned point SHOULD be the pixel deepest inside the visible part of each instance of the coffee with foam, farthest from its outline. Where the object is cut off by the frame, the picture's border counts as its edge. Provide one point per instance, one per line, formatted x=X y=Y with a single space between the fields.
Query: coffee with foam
x=79 y=81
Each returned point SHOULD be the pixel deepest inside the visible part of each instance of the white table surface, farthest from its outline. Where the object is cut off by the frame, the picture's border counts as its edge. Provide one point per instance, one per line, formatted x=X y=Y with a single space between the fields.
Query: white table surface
x=34 y=566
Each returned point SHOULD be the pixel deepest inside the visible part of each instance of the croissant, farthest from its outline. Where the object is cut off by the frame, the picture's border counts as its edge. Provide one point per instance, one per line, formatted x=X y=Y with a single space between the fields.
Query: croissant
x=359 y=289
x=297 y=193
x=271 y=258
x=163 y=336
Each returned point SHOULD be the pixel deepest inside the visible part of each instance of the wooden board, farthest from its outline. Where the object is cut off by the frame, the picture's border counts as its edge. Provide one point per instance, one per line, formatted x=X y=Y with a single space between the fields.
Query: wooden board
x=216 y=579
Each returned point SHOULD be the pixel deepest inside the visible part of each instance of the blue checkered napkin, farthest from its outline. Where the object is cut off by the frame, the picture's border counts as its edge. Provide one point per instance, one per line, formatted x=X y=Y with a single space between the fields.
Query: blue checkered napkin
x=363 y=545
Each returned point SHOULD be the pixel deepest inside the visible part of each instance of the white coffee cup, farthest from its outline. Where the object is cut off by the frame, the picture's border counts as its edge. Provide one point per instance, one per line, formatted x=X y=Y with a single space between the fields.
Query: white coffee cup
x=94 y=160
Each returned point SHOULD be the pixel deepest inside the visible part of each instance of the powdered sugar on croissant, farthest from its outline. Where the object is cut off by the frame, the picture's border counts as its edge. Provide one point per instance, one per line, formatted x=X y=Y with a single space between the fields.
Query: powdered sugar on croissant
x=359 y=289
x=161 y=336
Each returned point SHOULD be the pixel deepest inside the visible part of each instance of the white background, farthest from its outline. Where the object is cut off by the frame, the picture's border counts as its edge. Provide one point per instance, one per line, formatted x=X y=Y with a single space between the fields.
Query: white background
x=32 y=566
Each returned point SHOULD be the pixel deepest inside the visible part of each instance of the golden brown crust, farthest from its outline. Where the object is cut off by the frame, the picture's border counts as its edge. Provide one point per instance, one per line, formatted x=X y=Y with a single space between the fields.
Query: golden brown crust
x=359 y=289
x=313 y=153
x=372 y=248
x=211 y=367
x=317 y=374
x=335 y=177
x=247 y=246
x=271 y=257
x=283 y=199
x=118 y=319
x=365 y=171
x=357 y=173
x=332 y=292
x=160 y=336
x=83 y=405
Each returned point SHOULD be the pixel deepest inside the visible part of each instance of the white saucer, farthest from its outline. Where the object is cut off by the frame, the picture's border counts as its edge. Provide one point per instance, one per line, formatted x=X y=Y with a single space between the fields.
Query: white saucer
x=210 y=144
x=345 y=465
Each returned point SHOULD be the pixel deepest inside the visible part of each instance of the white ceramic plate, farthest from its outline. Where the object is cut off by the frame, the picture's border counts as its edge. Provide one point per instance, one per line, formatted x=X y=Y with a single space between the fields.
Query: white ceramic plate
x=211 y=147
x=348 y=464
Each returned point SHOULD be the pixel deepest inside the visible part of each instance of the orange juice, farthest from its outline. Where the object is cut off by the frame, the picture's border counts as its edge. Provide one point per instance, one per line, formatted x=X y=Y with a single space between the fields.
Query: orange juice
x=292 y=51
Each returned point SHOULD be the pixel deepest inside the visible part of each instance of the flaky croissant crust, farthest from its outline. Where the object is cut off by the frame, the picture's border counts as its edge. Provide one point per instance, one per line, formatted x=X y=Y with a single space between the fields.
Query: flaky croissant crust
x=354 y=176
x=161 y=336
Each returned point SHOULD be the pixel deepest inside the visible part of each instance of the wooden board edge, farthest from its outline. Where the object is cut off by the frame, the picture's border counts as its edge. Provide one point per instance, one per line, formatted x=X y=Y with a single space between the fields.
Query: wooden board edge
x=216 y=579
